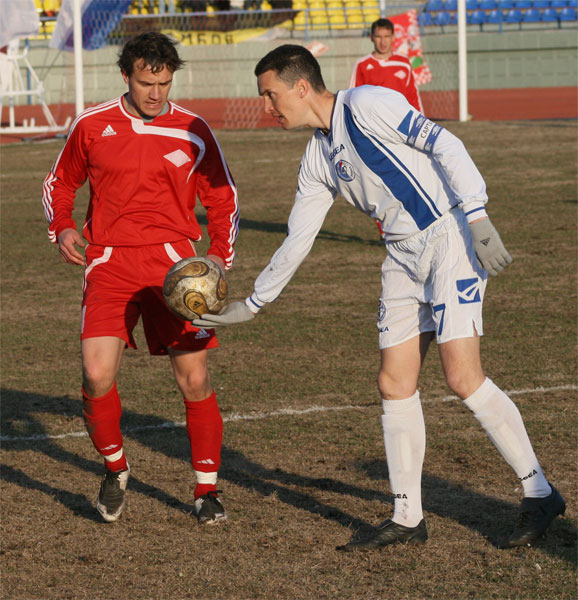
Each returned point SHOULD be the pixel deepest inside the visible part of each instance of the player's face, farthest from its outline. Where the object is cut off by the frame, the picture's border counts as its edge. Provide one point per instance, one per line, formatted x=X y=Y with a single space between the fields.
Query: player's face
x=382 y=39
x=147 y=91
x=283 y=103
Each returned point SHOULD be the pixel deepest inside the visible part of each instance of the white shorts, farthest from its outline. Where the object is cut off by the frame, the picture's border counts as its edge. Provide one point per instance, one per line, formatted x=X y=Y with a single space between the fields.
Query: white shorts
x=432 y=281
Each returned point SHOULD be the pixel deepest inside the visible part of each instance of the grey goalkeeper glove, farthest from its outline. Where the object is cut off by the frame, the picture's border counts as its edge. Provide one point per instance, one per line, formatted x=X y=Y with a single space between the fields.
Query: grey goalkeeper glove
x=236 y=312
x=489 y=248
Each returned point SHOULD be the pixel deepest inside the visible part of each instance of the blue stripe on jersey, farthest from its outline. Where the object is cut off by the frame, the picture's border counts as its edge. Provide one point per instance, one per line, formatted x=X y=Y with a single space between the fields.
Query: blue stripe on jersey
x=400 y=185
x=403 y=127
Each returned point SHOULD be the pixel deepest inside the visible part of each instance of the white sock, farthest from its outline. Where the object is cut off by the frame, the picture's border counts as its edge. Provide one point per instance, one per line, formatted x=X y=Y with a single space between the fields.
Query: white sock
x=502 y=421
x=404 y=437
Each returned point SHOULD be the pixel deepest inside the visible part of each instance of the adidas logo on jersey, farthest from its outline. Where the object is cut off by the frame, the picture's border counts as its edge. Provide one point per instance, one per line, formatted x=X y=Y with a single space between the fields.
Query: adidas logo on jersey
x=206 y=461
x=401 y=74
x=108 y=131
x=202 y=334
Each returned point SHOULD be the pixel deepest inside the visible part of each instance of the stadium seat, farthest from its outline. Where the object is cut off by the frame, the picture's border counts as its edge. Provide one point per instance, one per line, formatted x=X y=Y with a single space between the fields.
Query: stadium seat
x=425 y=19
x=434 y=5
x=505 y=4
x=442 y=18
x=558 y=4
x=522 y=4
x=451 y=5
x=532 y=15
x=478 y=17
x=573 y=3
x=471 y=4
x=549 y=15
x=495 y=16
x=568 y=14
x=488 y=5
x=540 y=3
x=514 y=15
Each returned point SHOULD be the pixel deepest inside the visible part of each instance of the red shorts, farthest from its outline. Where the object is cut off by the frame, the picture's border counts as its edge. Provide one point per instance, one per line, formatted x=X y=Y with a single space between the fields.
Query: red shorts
x=123 y=283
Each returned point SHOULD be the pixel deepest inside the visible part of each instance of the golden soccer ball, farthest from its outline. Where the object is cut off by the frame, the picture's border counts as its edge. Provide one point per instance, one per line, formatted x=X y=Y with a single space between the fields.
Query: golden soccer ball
x=195 y=286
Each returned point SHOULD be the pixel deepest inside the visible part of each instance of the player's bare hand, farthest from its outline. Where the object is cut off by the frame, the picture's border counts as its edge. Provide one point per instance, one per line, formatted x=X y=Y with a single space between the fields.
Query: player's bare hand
x=489 y=248
x=217 y=260
x=236 y=312
x=67 y=242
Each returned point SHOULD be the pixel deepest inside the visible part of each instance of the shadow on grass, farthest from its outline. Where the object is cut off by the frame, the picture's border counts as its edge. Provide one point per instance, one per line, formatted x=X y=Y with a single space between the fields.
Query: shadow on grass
x=270 y=227
x=490 y=517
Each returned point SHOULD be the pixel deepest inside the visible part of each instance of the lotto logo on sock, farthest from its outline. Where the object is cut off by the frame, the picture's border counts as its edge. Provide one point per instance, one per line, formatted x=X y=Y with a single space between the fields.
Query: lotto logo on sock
x=468 y=290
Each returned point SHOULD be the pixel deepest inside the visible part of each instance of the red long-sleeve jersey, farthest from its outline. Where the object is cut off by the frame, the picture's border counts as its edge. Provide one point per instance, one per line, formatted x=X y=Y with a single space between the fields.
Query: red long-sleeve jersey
x=394 y=73
x=144 y=180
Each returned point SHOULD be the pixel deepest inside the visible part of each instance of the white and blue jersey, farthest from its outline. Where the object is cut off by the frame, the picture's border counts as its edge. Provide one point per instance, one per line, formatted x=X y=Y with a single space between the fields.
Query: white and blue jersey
x=386 y=159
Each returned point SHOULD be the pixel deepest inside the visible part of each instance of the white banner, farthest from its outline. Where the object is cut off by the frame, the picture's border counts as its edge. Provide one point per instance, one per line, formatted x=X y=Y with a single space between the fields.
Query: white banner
x=18 y=19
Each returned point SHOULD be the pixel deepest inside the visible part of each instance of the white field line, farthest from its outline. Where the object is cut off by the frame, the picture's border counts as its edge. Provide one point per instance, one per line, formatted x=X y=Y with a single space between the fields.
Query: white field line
x=267 y=415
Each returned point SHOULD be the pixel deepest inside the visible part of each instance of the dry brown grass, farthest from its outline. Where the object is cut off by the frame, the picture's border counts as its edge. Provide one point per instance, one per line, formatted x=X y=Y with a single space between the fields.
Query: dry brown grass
x=295 y=485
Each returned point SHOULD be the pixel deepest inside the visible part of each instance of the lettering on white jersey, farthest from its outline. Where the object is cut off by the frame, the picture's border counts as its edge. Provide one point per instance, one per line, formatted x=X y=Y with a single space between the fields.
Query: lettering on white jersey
x=336 y=151
x=423 y=134
x=345 y=170
x=108 y=130
x=468 y=290
x=178 y=158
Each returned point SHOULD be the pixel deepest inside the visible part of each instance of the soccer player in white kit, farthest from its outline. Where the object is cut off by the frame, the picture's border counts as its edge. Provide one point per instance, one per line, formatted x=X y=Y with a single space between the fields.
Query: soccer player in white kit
x=386 y=159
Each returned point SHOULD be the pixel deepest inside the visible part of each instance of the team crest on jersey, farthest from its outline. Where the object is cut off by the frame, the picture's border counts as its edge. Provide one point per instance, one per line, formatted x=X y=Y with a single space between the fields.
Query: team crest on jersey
x=344 y=170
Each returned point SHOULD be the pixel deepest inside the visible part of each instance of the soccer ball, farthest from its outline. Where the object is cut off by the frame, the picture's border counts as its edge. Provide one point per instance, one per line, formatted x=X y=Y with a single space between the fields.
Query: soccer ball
x=195 y=286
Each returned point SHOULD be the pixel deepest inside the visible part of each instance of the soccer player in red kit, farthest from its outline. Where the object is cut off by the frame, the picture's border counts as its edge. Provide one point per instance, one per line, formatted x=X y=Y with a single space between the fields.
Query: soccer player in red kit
x=384 y=68
x=147 y=159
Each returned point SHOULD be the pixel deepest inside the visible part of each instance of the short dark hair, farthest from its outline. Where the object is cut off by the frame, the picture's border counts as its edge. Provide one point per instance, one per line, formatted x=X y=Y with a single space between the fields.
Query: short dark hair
x=155 y=49
x=292 y=63
x=382 y=23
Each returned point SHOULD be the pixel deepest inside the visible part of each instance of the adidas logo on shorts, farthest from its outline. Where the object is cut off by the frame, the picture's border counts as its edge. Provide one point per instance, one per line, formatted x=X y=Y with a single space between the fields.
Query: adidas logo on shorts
x=202 y=334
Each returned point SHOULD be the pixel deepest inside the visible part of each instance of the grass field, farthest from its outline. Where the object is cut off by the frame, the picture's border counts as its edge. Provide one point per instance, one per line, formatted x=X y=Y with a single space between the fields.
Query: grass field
x=303 y=460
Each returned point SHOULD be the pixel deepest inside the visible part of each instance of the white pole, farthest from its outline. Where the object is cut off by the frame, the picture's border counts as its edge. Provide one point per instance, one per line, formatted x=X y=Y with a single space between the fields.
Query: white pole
x=382 y=8
x=462 y=61
x=78 y=74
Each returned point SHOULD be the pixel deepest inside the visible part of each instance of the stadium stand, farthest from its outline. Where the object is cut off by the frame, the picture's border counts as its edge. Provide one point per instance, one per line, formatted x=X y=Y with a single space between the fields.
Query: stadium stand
x=532 y=15
x=568 y=14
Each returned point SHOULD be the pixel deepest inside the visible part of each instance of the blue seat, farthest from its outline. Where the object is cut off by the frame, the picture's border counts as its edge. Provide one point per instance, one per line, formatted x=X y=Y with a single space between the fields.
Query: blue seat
x=478 y=17
x=424 y=19
x=488 y=4
x=549 y=15
x=453 y=18
x=434 y=5
x=514 y=15
x=540 y=3
x=558 y=4
x=573 y=3
x=442 y=18
x=505 y=4
x=471 y=4
x=532 y=15
x=451 y=5
x=568 y=14
x=495 y=16
x=522 y=3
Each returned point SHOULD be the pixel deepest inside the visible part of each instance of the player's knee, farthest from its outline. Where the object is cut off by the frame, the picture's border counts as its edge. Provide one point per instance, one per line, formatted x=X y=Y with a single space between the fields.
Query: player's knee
x=96 y=380
x=394 y=388
x=195 y=385
x=463 y=384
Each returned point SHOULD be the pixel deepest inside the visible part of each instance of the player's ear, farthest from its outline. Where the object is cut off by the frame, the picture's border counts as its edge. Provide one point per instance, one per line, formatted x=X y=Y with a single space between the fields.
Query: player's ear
x=303 y=87
x=124 y=77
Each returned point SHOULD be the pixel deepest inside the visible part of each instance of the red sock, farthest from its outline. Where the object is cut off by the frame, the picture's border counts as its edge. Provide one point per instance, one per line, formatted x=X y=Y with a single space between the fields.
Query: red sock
x=102 y=420
x=205 y=432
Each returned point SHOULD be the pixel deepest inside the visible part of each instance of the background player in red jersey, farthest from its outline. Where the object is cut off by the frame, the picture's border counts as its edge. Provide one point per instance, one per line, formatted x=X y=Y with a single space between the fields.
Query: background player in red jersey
x=384 y=68
x=147 y=160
